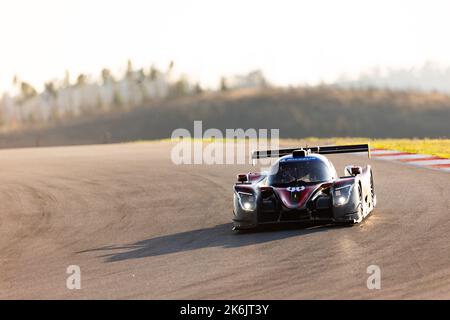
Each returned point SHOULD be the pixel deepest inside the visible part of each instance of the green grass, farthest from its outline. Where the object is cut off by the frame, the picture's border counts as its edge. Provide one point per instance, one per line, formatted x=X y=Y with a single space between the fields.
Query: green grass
x=436 y=147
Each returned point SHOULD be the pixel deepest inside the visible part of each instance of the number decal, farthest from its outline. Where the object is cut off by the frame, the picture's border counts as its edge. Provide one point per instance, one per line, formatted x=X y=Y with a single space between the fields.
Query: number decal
x=295 y=189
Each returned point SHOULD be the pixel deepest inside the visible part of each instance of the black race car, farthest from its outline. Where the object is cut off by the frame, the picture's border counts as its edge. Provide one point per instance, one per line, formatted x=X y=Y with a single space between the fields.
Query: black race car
x=303 y=185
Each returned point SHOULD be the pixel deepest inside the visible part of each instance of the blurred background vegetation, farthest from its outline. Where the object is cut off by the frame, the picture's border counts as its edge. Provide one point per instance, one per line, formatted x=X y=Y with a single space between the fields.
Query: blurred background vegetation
x=149 y=103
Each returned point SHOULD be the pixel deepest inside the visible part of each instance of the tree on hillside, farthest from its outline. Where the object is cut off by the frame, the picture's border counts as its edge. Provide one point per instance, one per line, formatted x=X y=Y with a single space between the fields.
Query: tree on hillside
x=66 y=81
x=27 y=90
x=81 y=80
x=153 y=72
x=171 y=66
x=180 y=87
x=140 y=75
x=223 y=84
x=198 y=88
x=51 y=89
x=129 y=68
x=107 y=76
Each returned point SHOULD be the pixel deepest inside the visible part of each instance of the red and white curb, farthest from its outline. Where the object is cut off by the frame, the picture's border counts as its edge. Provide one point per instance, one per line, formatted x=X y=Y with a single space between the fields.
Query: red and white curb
x=422 y=160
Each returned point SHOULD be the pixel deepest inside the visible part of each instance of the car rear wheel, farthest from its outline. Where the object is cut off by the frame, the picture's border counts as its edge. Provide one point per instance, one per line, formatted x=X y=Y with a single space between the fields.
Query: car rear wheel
x=372 y=188
x=372 y=191
x=361 y=203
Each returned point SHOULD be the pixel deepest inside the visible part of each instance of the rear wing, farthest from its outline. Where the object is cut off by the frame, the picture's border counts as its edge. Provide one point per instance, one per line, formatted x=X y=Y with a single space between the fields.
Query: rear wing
x=319 y=150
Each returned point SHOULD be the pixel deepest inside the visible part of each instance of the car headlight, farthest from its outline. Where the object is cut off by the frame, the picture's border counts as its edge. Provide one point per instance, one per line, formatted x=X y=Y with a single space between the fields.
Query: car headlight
x=342 y=194
x=247 y=201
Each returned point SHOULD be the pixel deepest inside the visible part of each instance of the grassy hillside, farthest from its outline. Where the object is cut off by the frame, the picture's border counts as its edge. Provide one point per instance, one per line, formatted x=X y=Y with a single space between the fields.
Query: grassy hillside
x=300 y=112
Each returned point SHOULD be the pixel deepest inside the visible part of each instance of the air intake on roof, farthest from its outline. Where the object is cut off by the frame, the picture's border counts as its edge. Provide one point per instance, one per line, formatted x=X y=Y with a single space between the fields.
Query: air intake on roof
x=300 y=153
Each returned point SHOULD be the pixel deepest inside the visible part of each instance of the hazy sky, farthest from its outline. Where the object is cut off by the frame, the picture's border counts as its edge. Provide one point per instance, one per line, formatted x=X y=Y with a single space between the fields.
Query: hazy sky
x=291 y=41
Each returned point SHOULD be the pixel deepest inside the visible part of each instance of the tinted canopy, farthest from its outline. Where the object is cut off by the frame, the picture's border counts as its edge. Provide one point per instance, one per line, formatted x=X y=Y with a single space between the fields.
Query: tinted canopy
x=295 y=170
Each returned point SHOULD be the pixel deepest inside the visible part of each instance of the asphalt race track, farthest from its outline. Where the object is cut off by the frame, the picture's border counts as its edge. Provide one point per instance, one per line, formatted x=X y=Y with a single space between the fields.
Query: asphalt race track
x=141 y=227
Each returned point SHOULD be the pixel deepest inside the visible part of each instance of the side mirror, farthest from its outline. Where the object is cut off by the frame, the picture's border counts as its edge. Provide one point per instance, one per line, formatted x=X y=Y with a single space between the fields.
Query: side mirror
x=242 y=177
x=353 y=170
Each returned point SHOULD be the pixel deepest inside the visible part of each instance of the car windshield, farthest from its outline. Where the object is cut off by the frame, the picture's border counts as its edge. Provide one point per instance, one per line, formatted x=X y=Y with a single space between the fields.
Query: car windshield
x=297 y=171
